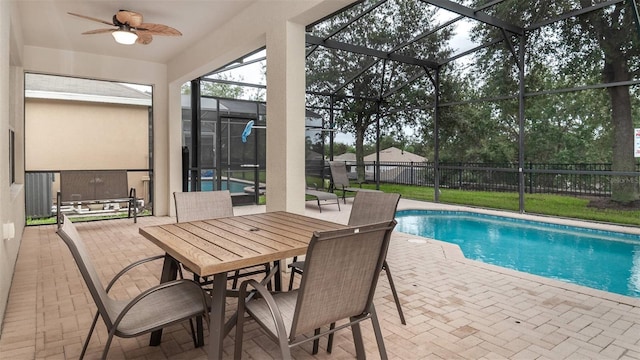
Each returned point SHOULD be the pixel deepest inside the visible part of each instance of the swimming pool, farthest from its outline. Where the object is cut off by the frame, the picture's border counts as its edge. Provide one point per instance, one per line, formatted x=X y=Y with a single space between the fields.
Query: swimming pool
x=598 y=259
x=234 y=186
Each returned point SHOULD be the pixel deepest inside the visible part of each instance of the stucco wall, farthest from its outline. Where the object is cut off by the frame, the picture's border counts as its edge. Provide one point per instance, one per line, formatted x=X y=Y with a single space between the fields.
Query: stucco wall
x=76 y=135
x=11 y=194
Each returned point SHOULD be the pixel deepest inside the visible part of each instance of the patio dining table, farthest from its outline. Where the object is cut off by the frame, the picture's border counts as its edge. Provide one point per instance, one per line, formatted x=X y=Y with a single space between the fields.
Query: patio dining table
x=217 y=246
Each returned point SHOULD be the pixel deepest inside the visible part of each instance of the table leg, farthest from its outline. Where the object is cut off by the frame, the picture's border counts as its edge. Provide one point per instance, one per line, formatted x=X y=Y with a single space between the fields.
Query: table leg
x=169 y=272
x=216 y=321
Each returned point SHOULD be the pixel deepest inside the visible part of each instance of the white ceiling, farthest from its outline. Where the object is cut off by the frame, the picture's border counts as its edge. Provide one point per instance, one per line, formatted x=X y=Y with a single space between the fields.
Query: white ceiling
x=45 y=23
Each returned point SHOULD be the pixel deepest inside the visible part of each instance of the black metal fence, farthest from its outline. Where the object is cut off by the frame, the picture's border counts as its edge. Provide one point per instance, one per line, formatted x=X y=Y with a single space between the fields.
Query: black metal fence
x=570 y=179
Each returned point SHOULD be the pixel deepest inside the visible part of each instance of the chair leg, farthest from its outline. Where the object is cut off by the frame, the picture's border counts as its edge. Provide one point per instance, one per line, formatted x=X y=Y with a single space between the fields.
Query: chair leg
x=385 y=266
x=330 y=340
x=292 y=276
x=86 y=342
x=236 y=275
x=200 y=329
x=108 y=344
x=237 y=351
x=316 y=342
x=357 y=341
x=293 y=273
x=193 y=333
x=378 y=332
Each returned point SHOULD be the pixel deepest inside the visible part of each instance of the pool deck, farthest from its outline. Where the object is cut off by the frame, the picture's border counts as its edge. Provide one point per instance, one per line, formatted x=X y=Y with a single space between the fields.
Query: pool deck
x=456 y=308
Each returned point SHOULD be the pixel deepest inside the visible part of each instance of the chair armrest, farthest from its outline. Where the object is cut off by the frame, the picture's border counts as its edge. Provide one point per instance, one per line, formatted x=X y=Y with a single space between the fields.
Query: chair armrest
x=276 y=315
x=131 y=266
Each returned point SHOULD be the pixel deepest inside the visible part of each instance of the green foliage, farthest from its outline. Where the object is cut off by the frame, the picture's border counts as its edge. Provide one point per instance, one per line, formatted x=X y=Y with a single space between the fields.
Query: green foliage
x=52 y=220
x=592 y=48
x=369 y=90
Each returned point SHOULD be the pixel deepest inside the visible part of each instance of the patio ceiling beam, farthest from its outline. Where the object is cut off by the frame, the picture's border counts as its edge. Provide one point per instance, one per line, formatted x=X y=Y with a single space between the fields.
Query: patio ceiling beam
x=340 y=96
x=237 y=65
x=356 y=75
x=345 y=25
x=356 y=18
x=236 y=83
x=443 y=25
x=476 y=15
x=405 y=84
x=339 y=11
x=357 y=49
x=574 y=13
x=470 y=51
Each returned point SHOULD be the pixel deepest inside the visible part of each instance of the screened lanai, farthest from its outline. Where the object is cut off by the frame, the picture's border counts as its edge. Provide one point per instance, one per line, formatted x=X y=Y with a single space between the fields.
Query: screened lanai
x=531 y=94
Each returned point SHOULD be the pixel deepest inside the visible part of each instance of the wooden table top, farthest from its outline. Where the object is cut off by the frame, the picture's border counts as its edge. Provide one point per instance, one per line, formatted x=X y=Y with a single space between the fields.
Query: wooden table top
x=219 y=245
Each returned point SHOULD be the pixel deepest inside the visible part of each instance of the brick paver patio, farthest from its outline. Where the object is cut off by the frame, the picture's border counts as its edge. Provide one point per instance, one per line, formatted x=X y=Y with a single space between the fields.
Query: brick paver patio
x=455 y=308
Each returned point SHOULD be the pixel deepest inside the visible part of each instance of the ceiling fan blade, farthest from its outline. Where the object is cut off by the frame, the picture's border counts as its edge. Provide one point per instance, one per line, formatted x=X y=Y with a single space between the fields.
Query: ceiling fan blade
x=158 y=29
x=91 y=18
x=98 y=31
x=131 y=18
x=144 y=38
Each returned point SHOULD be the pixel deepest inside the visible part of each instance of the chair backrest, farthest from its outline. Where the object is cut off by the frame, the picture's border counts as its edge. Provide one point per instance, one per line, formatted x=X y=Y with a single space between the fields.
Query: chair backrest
x=70 y=236
x=340 y=275
x=339 y=174
x=372 y=207
x=202 y=205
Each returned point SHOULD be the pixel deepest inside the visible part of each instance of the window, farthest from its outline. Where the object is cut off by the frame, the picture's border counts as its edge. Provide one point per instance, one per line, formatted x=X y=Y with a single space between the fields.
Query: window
x=12 y=156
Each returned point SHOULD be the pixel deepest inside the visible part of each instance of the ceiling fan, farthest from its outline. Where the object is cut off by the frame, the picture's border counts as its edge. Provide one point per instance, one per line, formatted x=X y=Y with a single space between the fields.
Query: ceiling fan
x=129 y=28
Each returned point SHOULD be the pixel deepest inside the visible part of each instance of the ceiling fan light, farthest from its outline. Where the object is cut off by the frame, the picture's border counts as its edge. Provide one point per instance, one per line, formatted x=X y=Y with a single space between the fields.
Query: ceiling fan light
x=125 y=37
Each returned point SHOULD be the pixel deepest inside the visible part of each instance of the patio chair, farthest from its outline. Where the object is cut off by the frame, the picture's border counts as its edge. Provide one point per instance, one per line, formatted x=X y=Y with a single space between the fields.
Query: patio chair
x=342 y=270
x=341 y=180
x=203 y=205
x=155 y=308
x=368 y=207
x=325 y=197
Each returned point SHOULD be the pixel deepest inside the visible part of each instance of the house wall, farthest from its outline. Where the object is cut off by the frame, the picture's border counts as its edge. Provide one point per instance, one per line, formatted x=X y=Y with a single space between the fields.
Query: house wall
x=11 y=114
x=78 y=135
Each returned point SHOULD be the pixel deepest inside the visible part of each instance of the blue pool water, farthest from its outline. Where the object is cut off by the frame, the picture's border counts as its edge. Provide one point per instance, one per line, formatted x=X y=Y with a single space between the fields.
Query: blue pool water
x=233 y=186
x=602 y=260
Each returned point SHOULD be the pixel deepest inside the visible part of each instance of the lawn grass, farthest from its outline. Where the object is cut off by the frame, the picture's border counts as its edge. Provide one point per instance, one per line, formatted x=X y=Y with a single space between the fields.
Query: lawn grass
x=52 y=220
x=542 y=204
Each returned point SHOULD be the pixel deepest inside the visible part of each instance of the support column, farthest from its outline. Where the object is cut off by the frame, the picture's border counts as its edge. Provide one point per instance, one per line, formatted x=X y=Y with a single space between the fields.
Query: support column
x=286 y=118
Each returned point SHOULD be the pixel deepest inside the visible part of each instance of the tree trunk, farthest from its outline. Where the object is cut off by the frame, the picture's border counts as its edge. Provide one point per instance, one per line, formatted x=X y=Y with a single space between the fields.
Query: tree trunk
x=624 y=189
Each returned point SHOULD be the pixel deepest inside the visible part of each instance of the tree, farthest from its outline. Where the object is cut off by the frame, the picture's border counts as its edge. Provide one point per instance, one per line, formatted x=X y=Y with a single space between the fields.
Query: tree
x=596 y=47
x=366 y=90
x=610 y=33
